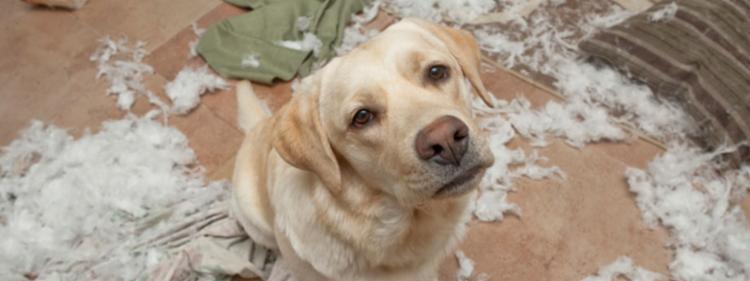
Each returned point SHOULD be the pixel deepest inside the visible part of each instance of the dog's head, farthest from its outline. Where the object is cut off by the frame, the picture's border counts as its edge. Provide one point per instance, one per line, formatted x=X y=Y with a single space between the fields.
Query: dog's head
x=395 y=113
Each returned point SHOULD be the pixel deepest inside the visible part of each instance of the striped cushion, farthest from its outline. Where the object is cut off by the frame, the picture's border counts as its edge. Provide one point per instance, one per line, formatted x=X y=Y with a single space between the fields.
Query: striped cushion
x=699 y=58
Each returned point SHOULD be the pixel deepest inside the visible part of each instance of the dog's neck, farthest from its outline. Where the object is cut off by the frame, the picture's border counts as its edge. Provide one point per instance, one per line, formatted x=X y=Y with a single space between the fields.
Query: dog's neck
x=364 y=213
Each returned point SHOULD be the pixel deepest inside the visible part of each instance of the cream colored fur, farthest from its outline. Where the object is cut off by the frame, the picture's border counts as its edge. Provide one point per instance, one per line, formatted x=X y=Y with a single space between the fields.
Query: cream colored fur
x=345 y=203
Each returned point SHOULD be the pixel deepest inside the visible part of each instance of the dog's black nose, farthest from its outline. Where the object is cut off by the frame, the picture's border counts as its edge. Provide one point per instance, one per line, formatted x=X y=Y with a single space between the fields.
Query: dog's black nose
x=444 y=141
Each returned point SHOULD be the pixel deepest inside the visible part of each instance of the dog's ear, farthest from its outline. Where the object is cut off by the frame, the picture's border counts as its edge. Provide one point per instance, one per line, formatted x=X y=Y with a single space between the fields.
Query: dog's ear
x=465 y=49
x=299 y=137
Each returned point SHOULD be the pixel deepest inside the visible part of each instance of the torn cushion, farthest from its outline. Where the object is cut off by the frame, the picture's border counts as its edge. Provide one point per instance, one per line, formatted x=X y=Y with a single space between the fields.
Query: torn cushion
x=693 y=52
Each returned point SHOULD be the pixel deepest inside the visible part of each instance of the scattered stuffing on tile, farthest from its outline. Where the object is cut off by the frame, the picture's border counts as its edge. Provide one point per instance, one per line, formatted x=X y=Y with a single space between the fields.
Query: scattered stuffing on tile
x=685 y=192
x=623 y=267
x=193 y=45
x=122 y=65
x=466 y=269
x=185 y=90
x=77 y=209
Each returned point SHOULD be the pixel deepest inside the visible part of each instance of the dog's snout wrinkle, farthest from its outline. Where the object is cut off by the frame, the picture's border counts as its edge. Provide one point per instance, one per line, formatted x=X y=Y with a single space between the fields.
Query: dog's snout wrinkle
x=443 y=141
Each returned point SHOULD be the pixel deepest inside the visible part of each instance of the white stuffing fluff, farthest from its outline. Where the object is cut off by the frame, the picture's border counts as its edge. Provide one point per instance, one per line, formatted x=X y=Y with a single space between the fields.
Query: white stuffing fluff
x=576 y=121
x=543 y=44
x=309 y=42
x=78 y=209
x=498 y=43
x=122 y=65
x=533 y=171
x=466 y=269
x=185 y=90
x=463 y=11
x=355 y=33
x=623 y=267
x=250 y=61
x=491 y=205
x=635 y=104
x=664 y=14
x=454 y=11
x=193 y=45
x=684 y=191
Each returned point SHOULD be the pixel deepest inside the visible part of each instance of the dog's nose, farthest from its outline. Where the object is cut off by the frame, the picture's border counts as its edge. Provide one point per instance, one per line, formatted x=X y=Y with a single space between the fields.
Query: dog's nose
x=444 y=140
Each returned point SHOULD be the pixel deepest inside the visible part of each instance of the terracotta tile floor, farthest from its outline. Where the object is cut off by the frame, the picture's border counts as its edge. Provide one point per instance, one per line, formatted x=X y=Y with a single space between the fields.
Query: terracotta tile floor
x=568 y=228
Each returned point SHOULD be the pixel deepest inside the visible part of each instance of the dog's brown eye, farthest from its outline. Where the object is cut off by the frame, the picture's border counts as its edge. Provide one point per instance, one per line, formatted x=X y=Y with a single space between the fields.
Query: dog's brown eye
x=437 y=72
x=361 y=118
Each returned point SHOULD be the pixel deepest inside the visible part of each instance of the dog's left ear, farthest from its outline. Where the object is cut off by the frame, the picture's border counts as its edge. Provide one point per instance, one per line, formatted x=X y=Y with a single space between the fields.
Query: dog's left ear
x=299 y=137
x=465 y=49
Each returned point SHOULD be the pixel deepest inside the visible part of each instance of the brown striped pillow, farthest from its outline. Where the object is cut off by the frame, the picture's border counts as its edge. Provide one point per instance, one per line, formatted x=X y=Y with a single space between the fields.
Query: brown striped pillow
x=699 y=58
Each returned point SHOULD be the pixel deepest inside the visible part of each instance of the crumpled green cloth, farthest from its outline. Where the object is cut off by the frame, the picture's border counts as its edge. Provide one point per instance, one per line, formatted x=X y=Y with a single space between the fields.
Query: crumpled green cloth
x=257 y=33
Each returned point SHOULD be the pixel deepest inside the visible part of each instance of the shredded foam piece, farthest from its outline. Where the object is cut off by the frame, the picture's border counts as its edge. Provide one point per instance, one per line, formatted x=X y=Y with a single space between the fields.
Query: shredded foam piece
x=77 y=209
x=122 y=65
x=309 y=42
x=185 y=90
x=355 y=34
x=623 y=267
x=466 y=269
x=664 y=14
x=683 y=191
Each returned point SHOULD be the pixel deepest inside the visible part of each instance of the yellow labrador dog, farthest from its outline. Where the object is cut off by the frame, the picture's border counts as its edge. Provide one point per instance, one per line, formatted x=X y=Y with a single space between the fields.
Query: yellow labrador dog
x=368 y=172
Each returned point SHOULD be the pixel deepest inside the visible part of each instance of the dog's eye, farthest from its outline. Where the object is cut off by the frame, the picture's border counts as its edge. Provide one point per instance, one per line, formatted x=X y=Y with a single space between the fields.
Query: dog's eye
x=362 y=118
x=437 y=72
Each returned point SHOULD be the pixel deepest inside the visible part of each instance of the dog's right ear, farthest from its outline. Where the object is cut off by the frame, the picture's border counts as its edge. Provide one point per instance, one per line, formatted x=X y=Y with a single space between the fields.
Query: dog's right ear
x=299 y=136
x=465 y=49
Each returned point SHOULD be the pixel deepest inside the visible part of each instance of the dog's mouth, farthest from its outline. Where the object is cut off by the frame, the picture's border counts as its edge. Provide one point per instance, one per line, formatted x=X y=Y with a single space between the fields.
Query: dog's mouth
x=457 y=186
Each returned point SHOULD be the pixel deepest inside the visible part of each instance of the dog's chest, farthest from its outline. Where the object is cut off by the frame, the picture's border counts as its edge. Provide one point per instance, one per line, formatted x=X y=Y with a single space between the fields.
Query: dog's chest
x=340 y=240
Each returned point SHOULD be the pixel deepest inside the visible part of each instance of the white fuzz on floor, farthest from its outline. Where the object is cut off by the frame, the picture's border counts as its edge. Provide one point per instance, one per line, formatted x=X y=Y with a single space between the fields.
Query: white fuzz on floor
x=623 y=267
x=491 y=205
x=77 y=209
x=575 y=121
x=466 y=269
x=452 y=11
x=684 y=191
x=193 y=45
x=122 y=65
x=185 y=90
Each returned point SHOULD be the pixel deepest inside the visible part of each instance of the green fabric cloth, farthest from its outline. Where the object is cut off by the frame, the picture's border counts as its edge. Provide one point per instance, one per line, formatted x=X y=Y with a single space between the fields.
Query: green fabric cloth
x=225 y=44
